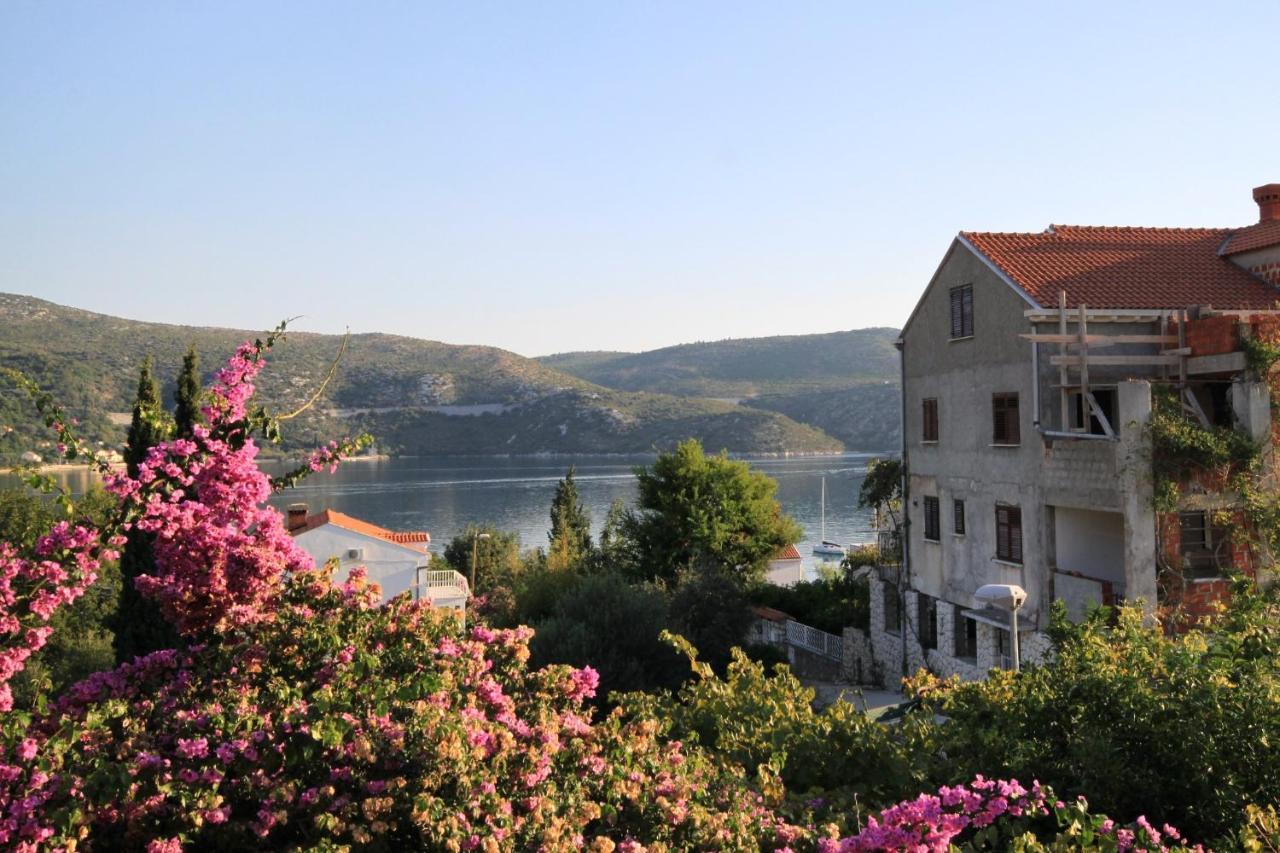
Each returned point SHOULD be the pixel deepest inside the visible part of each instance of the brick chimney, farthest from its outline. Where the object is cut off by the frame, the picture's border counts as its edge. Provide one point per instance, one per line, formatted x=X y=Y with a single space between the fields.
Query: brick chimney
x=297 y=517
x=1268 y=199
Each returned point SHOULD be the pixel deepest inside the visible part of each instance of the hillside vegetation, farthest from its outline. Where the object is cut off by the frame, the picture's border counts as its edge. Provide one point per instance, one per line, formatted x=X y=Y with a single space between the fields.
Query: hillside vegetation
x=414 y=396
x=843 y=383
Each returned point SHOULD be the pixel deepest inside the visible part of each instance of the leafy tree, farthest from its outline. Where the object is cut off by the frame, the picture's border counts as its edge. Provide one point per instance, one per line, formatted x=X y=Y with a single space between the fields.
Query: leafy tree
x=696 y=510
x=829 y=603
x=613 y=626
x=570 y=534
x=188 y=396
x=496 y=554
x=615 y=551
x=710 y=609
x=1179 y=728
x=139 y=626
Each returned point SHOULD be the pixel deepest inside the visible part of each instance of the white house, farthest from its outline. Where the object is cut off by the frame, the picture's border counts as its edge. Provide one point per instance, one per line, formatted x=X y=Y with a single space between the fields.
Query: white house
x=397 y=561
x=786 y=567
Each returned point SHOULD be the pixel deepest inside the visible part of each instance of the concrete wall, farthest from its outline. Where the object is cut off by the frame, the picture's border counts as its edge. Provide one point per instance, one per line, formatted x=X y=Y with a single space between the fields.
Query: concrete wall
x=1090 y=543
x=962 y=375
x=393 y=567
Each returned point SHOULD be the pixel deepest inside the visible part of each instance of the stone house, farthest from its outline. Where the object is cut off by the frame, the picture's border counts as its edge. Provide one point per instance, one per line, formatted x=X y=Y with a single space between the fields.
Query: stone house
x=1030 y=369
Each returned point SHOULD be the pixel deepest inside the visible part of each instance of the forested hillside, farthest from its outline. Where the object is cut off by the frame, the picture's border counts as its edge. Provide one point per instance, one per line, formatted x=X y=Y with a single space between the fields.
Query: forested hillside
x=414 y=396
x=844 y=383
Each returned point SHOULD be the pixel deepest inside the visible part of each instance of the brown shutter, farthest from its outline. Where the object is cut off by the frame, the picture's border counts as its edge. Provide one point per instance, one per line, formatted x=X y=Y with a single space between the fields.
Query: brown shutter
x=1002 y=532
x=1011 y=419
x=957 y=313
x=966 y=311
x=1015 y=535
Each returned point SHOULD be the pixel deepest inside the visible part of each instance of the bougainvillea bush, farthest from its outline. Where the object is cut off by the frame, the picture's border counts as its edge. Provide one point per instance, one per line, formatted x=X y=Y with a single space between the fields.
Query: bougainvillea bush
x=298 y=713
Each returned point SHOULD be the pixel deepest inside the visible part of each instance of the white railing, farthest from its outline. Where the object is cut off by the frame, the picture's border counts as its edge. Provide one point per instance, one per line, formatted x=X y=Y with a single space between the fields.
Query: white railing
x=441 y=579
x=814 y=640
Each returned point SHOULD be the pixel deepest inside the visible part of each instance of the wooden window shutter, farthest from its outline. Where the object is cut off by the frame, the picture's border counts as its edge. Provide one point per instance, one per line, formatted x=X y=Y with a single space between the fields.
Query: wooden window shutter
x=962 y=311
x=930 y=426
x=1015 y=535
x=957 y=509
x=1002 y=532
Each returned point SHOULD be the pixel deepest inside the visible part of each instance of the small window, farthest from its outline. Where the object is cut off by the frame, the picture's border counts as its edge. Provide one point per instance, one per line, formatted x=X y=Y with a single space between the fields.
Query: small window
x=1106 y=400
x=1009 y=534
x=962 y=312
x=957 y=514
x=927 y=618
x=930 y=421
x=1004 y=652
x=1205 y=547
x=932 y=520
x=1004 y=419
x=892 y=609
x=966 y=637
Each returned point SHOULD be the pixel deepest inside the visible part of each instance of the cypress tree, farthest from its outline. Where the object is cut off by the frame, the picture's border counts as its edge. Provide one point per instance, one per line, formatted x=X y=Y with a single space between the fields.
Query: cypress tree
x=139 y=626
x=187 y=414
x=570 y=533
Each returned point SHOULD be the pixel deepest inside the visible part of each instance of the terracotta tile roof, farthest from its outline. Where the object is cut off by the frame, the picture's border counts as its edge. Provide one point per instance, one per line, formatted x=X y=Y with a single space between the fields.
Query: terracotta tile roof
x=770 y=613
x=1106 y=267
x=1260 y=236
x=417 y=540
x=791 y=552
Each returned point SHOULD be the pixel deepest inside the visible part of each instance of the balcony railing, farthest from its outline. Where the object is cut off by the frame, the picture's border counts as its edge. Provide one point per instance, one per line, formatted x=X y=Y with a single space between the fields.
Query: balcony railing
x=442 y=583
x=815 y=640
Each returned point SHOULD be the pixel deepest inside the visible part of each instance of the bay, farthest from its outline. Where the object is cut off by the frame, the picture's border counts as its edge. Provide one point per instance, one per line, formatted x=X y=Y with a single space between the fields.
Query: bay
x=443 y=495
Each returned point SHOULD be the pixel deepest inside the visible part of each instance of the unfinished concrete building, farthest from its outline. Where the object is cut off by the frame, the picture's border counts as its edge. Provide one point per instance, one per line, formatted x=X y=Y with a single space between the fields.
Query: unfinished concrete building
x=1030 y=369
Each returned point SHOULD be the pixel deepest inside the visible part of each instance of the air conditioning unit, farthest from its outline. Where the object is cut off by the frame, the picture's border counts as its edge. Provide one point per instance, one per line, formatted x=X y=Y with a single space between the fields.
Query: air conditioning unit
x=355 y=553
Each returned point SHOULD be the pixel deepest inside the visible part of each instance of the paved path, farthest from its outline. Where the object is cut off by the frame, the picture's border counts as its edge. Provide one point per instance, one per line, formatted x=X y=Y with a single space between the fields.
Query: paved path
x=868 y=699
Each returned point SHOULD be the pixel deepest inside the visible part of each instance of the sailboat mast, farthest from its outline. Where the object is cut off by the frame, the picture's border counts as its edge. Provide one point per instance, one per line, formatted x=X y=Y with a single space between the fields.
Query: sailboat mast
x=824 y=509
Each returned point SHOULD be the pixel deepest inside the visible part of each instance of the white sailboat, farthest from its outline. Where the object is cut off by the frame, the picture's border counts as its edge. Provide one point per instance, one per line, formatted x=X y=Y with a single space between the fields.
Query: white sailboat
x=825 y=548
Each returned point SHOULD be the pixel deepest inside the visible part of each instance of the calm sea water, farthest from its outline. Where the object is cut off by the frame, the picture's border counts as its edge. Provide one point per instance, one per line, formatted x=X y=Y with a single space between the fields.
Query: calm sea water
x=444 y=495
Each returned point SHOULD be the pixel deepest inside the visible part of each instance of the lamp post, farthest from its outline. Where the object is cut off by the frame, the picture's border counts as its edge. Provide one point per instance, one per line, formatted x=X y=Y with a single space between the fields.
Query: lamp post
x=1009 y=597
x=474 y=541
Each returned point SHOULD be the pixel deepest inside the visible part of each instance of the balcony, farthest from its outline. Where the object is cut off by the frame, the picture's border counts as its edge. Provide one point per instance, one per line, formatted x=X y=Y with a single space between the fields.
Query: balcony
x=443 y=588
x=1080 y=592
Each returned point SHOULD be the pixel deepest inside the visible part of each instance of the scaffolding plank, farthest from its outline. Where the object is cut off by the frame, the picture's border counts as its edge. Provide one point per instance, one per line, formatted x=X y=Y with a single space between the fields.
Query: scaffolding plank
x=1114 y=360
x=1101 y=340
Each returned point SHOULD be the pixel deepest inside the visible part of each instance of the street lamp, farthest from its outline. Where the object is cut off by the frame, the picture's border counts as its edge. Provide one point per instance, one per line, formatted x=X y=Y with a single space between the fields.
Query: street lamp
x=1005 y=596
x=474 y=540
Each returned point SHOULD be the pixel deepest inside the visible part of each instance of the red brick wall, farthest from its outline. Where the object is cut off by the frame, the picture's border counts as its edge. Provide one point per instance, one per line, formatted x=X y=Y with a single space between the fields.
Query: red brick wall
x=1270 y=273
x=1212 y=336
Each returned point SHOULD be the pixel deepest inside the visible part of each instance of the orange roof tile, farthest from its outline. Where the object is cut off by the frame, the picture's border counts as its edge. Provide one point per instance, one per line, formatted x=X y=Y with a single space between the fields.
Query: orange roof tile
x=417 y=540
x=771 y=613
x=791 y=552
x=1107 y=267
x=1261 y=236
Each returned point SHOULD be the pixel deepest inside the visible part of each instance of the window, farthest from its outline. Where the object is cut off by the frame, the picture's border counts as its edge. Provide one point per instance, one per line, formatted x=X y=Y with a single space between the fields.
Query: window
x=927 y=619
x=957 y=517
x=932 y=520
x=930 y=421
x=1009 y=534
x=1004 y=419
x=1106 y=400
x=966 y=637
x=1004 y=654
x=962 y=312
x=892 y=608
x=1205 y=547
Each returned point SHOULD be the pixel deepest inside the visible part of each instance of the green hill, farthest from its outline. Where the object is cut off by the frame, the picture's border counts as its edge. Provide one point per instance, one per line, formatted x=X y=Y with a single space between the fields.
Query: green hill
x=414 y=396
x=844 y=383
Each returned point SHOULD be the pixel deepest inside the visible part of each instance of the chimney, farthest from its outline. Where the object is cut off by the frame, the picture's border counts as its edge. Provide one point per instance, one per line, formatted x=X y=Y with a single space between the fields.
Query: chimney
x=1268 y=199
x=297 y=517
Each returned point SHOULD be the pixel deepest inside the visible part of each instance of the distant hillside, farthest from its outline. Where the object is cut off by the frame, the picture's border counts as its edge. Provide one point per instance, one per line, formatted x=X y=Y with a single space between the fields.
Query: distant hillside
x=844 y=383
x=743 y=367
x=414 y=396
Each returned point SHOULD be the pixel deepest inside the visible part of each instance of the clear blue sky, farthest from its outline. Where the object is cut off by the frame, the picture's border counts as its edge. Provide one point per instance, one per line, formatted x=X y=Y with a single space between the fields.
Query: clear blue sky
x=547 y=177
